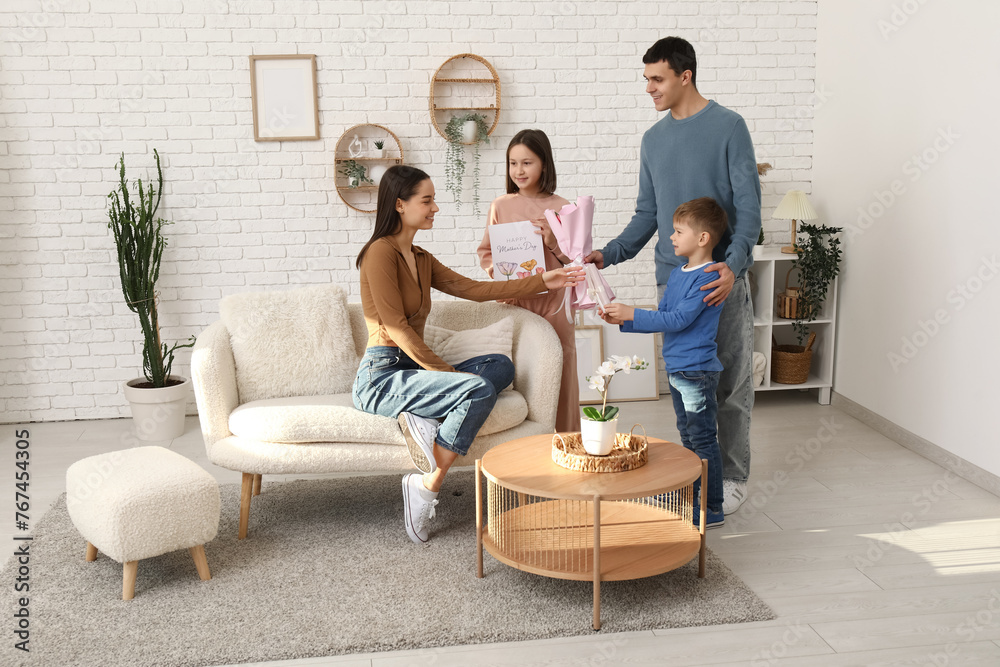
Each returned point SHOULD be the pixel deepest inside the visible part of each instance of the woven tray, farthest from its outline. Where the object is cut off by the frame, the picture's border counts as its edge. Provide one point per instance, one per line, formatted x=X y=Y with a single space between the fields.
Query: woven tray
x=630 y=452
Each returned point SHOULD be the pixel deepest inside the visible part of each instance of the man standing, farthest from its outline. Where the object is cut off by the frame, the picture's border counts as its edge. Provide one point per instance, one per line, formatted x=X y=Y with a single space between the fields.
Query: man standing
x=701 y=149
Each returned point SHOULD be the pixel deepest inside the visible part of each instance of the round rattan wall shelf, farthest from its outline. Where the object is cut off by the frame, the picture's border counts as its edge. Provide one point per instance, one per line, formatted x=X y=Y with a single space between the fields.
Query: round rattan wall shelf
x=357 y=146
x=463 y=86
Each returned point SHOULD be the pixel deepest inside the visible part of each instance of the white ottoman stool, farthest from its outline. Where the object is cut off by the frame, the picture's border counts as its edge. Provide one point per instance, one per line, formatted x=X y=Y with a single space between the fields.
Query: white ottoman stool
x=143 y=502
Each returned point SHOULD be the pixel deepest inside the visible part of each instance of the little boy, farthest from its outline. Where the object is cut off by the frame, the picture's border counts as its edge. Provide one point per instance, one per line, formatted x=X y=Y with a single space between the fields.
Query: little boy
x=689 y=327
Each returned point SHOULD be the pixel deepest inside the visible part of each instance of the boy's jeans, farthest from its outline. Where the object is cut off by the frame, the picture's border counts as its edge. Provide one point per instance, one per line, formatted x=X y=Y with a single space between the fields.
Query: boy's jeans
x=693 y=393
x=389 y=382
x=735 y=394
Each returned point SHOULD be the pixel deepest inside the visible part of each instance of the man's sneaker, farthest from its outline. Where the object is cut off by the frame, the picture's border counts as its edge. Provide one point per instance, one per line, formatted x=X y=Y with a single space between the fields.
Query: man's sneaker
x=712 y=519
x=418 y=507
x=419 y=433
x=734 y=494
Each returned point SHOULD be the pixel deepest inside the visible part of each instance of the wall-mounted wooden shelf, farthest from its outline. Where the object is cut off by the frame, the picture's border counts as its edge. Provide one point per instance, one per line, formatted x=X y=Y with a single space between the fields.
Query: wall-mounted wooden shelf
x=464 y=63
x=363 y=198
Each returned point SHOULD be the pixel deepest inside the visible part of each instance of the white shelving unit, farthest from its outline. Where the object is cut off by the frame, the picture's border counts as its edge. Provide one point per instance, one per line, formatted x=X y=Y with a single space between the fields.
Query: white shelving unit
x=770 y=268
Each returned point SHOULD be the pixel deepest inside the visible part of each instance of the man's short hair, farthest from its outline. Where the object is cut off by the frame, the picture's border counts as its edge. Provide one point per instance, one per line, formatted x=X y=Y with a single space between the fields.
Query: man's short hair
x=704 y=215
x=677 y=52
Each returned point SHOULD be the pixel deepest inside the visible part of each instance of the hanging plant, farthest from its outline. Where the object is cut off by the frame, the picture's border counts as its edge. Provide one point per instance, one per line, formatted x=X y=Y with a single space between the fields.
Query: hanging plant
x=818 y=263
x=455 y=160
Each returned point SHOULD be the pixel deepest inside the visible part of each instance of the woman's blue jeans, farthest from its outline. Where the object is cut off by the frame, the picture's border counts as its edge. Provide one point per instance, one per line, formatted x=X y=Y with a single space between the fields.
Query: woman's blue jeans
x=389 y=382
x=693 y=393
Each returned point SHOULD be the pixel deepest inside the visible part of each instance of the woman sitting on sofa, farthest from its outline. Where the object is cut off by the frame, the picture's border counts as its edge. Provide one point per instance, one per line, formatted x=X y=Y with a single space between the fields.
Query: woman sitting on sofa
x=399 y=376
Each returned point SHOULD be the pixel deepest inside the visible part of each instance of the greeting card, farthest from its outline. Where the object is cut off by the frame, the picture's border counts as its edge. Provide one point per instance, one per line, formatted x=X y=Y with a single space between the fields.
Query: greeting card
x=517 y=250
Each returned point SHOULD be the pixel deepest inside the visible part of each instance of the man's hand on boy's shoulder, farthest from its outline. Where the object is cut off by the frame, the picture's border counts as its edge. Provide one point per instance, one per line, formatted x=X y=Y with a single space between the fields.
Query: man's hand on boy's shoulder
x=617 y=313
x=722 y=286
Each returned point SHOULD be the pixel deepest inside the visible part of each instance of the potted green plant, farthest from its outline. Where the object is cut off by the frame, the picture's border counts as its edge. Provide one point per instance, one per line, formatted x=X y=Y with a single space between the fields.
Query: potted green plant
x=818 y=263
x=159 y=398
x=379 y=147
x=355 y=173
x=462 y=130
x=598 y=427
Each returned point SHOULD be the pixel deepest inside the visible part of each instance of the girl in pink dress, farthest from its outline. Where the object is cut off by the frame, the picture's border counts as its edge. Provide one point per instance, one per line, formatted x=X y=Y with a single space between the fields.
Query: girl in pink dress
x=531 y=184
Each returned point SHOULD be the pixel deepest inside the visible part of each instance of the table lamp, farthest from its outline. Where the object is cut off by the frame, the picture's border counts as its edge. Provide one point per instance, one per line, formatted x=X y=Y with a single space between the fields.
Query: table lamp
x=795 y=206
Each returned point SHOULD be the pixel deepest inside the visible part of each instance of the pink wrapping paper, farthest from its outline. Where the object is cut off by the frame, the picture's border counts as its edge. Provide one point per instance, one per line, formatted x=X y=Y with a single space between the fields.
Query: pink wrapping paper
x=572 y=227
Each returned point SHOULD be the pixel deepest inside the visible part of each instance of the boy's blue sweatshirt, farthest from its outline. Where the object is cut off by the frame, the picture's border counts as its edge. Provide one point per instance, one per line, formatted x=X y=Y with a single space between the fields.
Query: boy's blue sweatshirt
x=689 y=325
x=708 y=154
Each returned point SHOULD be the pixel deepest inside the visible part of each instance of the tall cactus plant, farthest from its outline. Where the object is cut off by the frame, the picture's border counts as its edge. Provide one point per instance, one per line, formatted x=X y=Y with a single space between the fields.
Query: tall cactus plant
x=140 y=243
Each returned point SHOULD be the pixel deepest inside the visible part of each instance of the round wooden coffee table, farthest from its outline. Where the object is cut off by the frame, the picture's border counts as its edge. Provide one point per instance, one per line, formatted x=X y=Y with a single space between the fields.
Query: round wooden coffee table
x=549 y=520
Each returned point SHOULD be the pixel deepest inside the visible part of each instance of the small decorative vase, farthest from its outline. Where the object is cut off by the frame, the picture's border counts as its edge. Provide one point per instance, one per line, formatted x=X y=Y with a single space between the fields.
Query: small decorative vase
x=598 y=437
x=469 y=131
x=377 y=172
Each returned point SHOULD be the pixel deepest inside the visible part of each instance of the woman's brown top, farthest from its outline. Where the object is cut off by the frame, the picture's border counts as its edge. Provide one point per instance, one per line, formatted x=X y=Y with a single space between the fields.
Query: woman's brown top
x=396 y=306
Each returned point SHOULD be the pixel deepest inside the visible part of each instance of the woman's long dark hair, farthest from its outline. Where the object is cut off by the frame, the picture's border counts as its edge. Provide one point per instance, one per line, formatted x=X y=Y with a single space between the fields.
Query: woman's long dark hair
x=399 y=182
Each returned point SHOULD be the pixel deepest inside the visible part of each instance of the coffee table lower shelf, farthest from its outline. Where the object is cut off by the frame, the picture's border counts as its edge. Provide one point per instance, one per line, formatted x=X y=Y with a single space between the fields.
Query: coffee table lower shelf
x=555 y=538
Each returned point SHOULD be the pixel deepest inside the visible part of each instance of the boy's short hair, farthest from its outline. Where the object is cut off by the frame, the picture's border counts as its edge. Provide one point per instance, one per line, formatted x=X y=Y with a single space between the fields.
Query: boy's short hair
x=704 y=215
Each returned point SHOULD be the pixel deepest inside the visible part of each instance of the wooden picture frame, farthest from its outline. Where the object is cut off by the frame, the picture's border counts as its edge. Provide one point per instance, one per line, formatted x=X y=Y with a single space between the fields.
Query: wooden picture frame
x=635 y=386
x=589 y=355
x=285 y=97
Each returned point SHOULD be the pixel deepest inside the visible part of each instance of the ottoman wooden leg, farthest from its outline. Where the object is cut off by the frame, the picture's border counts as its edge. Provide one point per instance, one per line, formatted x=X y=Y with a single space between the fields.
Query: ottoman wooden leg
x=200 y=561
x=257 y=480
x=246 y=493
x=91 y=552
x=129 y=572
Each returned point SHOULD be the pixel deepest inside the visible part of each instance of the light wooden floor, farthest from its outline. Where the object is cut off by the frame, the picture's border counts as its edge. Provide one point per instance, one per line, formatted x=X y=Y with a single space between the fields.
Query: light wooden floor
x=868 y=553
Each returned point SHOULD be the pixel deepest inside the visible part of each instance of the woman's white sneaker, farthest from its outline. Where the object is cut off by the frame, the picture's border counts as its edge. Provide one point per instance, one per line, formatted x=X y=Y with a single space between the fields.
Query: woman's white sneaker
x=418 y=507
x=420 y=433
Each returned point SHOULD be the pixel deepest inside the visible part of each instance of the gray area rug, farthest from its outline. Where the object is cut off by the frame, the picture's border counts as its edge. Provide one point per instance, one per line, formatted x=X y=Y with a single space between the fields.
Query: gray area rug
x=327 y=569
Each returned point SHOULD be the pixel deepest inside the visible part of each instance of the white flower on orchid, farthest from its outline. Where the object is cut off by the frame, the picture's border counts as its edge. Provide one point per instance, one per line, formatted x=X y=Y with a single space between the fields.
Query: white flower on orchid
x=601 y=381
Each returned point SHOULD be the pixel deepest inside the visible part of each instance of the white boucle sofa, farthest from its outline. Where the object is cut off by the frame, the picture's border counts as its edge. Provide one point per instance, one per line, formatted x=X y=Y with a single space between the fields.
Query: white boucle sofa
x=273 y=380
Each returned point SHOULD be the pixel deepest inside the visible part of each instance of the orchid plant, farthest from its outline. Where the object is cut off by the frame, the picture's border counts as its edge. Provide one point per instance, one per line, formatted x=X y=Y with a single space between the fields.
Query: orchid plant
x=601 y=381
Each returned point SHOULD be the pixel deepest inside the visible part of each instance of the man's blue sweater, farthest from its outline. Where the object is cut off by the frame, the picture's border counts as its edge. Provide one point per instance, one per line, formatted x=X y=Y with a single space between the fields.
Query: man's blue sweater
x=708 y=154
x=689 y=325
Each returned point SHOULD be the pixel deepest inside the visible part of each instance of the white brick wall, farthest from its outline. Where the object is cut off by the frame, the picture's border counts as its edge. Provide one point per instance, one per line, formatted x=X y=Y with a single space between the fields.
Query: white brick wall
x=80 y=82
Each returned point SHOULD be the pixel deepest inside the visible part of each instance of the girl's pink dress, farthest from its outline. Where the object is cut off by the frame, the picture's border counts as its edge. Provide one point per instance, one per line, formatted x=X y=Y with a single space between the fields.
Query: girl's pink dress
x=514 y=208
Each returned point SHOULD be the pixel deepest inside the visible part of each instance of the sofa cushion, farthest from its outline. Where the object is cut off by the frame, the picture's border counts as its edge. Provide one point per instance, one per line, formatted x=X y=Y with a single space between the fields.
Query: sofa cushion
x=333 y=418
x=292 y=343
x=455 y=347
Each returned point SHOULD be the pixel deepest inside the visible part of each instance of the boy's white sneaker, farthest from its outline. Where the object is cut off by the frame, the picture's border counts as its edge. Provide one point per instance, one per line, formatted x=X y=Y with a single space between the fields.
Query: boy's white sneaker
x=420 y=433
x=418 y=507
x=734 y=494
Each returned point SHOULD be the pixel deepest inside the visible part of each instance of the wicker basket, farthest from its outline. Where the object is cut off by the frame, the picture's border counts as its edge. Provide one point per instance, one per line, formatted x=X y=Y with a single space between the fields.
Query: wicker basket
x=790 y=363
x=630 y=452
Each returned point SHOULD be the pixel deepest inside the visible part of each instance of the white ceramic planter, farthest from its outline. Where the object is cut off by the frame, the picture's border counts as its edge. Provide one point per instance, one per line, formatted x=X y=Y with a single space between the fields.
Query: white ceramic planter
x=598 y=437
x=158 y=414
x=377 y=172
x=352 y=181
x=469 y=131
x=379 y=152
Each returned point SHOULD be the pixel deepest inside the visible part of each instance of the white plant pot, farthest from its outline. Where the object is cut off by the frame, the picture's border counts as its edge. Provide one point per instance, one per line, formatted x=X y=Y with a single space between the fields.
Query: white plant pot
x=158 y=414
x=379 y=152
x=352 y=181
x=377 y=172
x=598 y=437
x=469 y=131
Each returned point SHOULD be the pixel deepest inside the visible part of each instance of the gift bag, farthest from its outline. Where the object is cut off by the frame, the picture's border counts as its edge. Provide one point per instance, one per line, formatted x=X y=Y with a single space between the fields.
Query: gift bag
x=572 y=226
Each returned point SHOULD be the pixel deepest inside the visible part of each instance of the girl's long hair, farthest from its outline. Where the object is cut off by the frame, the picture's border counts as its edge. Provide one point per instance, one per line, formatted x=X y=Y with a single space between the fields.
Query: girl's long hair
x=399 y=182
x=537 y=142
